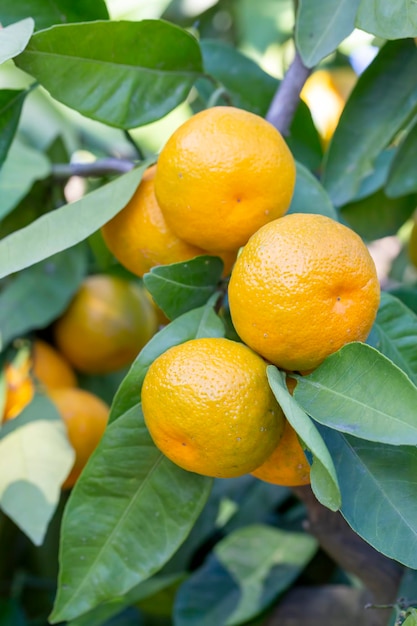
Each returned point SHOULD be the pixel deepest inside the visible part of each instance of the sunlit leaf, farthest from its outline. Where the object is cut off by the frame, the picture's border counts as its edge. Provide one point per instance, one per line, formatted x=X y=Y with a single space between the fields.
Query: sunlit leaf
x=53 y=12
x=14 y=38
x=386 y=19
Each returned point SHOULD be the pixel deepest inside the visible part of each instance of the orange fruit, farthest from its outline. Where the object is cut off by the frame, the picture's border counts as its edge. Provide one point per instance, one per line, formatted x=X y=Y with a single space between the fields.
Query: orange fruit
x=20 y=388
x=50 y=368
x=106 y=324
x=221 y=175
x=302 y=287
x=85 y=416
x=287 y=465
x=325 y=92
x=140 y=239
x=412 y=243
x=208 y=407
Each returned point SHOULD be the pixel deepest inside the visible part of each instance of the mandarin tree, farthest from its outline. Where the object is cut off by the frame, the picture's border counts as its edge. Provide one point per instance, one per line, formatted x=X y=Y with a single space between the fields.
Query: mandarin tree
x=208 y=312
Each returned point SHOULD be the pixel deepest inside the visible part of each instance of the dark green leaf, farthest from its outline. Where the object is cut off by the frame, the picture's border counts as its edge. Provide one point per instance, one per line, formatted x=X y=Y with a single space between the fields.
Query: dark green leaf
x=379 y=493
x=11 y=102
x=40 y=293
x=35 y=459
x=124 y=74
x=321 y=28
x=377 y=215
x=21 y=169
x=53 y=12
x=357 y=390
x=402 y=177
x=377 y=178
x=129 y=512
x=247 y=570
x=386 y=19
x=396 y=328
x=309 y=195
x=323 y=476
x=181 y=287
x=303 y=139
x=227 y=65
x=68 y=225
x=371 y=118
x=201 y=322
x=14 y=38
x=407 y=294
x=12 y=613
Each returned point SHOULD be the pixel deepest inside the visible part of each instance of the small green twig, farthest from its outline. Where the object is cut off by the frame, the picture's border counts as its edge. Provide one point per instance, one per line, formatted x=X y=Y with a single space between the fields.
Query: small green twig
x=96 y=169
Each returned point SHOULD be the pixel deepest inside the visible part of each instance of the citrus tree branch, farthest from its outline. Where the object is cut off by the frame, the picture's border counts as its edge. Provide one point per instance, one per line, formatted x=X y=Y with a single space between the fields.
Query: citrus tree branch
x=101 y=167
x=287 y=96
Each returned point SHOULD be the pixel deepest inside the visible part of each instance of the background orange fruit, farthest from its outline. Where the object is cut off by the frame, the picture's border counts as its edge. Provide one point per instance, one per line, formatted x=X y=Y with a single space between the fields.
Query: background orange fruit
x=85 y=416
x=209 y=408
x=20 y=387
x=302 y=287
x=106 y=325
x=221 y=175
x=50 y=368
x=287 y=465
x=140 y=238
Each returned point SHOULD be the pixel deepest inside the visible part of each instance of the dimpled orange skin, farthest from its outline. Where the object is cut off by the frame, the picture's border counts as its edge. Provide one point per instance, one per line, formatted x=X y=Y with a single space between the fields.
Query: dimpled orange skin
x=106 y=324
x=287 y=466
x=303 y=287
x=85 y=416
x=50 y=368
x=208 y=407
x=221 y=175
x=140 y=239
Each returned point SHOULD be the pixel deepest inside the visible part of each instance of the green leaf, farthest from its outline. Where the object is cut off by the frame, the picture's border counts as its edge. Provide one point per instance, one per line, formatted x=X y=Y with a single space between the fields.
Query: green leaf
x=411 y=619
x=396 y=329
x=378 y=215
x=14 y=38
x=201 y=322
x=68 y=225
x=11 y=103
x=379 y=493
x=323 y=475
x=321 y=28
x=359 y=391
x=35 y=459
x=37 y=295
x=371 y=118
x=147 y=506
x=180 y=287
x=227 y=65
x=402 y=177
x=303 y=139
x=23 y=166
x=124 y=74
x=247 y=570
x=53 y=12
x=386 y=19
x=310 y=196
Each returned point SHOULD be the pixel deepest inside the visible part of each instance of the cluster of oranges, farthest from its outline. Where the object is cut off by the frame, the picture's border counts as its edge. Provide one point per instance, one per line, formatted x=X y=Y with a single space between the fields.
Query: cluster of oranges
x=301 y=286
x=105 y=325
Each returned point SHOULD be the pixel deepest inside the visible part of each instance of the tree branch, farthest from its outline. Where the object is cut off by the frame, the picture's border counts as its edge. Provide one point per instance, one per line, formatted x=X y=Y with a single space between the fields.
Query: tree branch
x=287 y=96
x=101 y=167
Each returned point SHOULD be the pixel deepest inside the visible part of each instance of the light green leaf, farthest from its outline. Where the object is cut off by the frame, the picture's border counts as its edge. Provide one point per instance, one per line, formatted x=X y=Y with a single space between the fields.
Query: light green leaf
x=124 y=74
x=246 y=571
x=37 y=295
x=357 y=390
x=53 y=12
x=310 y=196
x=129 y=512
x=35 y=459
x=11 y=102
x=387 y=19
x=180 y=287
x=402 y=177
x=396 y=331
x=201 y=322
x=320 y=28
x=323 y=475
x=371 y=118
x=379 y=493
x=23 y=166
x=68 y=225
x=14 y=38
